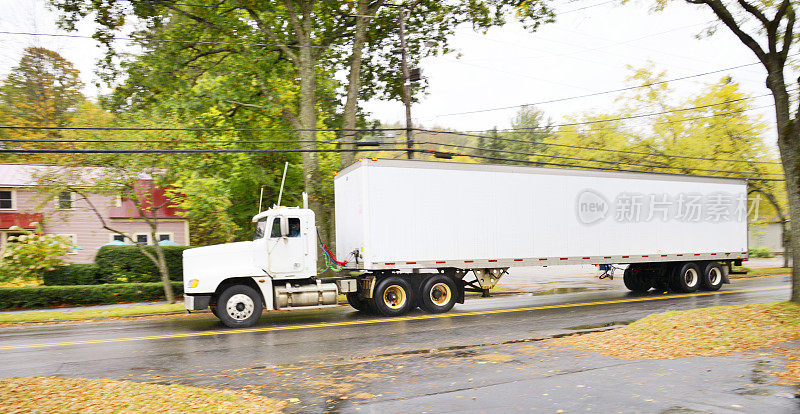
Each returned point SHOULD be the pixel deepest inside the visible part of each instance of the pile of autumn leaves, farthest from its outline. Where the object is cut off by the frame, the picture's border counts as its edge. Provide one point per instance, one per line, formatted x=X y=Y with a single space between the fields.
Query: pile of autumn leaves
x=77 y=395
x=715 y=331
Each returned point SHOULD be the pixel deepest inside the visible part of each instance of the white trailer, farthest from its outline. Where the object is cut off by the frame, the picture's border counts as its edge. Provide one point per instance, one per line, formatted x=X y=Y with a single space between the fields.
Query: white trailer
x=420 y=233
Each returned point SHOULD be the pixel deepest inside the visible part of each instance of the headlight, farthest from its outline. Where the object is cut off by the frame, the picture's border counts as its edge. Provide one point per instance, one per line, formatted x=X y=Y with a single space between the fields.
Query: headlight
x=193 y=283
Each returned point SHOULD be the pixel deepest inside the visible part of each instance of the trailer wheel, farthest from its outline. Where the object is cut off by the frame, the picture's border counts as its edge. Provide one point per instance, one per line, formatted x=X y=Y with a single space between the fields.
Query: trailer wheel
x=357 y=302
x=712 y=276
x=686 y=277
x=437 y=294
x=635 y=280
x=393 y=296
x=239 y=306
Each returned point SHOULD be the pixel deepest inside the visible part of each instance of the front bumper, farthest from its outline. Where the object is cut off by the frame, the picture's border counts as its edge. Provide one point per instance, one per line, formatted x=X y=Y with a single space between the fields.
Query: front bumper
x=196 y=302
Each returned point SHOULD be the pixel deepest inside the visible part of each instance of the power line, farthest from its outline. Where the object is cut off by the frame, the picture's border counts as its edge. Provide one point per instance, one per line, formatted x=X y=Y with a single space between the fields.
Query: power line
x=594 y=93
x=616 y=169
x=58 y=128
x=622 y=118
x=438 y=154
x=667 y=122
x=13 y=127
x=595 y=149
x=600 y=161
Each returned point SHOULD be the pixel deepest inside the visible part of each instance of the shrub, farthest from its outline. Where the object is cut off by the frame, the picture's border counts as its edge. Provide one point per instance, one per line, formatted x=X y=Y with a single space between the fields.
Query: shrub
x=72 y=274
x=127 y=264
x=760 y=252
x=49 y=296
x=30 y=254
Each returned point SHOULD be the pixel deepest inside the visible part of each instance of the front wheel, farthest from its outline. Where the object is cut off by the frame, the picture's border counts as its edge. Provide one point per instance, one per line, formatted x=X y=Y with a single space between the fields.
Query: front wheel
x=239 y=306
x=437 y=294
x=392 y=296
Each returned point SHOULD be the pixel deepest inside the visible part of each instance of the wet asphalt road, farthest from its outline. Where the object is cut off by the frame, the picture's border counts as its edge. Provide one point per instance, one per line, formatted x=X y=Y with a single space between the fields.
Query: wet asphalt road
x=484 y=356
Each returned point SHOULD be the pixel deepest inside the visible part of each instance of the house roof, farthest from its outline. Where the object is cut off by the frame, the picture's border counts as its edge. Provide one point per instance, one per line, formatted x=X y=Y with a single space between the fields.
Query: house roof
x=23 y=175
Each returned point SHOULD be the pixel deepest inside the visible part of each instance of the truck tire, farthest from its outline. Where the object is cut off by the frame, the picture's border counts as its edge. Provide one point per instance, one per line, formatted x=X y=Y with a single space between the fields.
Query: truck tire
x=686 y=277
x=239 y=306
x=635 y=280
x=713 y=276
x=357 y=302
x=437 y=294
x=393 y=296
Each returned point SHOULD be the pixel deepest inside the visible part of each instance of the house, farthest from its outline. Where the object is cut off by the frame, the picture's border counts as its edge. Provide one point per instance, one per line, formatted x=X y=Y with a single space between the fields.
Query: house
x=24 y=203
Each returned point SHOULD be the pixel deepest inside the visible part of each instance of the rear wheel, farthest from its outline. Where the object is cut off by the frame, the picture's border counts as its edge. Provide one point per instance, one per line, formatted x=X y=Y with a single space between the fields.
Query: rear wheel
x=392 y=296
x=712 y=276
x=635 y=279
x=437 y=294
x=239 y=306
x=686 y=277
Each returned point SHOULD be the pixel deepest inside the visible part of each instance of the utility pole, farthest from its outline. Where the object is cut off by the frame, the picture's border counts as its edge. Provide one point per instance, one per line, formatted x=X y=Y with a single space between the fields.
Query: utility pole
x=406 y=85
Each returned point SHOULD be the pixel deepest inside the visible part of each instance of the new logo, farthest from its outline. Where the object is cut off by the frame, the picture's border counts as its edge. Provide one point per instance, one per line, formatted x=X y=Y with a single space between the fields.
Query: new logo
x=591 y=207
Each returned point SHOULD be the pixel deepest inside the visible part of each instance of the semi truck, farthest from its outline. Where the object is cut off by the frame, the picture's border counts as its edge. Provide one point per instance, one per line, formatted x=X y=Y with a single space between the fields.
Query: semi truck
x=422 y=233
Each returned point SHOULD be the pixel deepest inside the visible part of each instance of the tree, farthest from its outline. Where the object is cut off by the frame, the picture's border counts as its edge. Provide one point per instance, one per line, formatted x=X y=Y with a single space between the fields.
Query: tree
x=43 y=90
x=140 y=183
x=771 y=40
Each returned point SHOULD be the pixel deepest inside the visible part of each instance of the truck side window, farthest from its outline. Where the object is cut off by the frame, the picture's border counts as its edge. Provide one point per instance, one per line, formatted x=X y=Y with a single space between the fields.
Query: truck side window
x=294 y=227
x=276 y=228
x=261 y=228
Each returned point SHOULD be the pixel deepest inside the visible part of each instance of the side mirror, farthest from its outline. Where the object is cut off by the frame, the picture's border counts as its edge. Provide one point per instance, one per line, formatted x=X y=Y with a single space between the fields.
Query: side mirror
x=284 y=226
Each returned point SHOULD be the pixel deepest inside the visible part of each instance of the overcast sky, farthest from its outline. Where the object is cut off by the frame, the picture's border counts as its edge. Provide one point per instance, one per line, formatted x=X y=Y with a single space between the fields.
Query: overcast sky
x=585 y=51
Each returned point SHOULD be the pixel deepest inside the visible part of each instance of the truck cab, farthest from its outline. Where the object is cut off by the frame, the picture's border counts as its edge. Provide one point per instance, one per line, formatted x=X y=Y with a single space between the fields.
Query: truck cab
x=239 y=280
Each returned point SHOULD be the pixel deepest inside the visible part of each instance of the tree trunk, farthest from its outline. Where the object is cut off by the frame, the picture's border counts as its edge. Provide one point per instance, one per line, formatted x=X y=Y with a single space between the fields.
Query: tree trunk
x=161 y=264
x=308 y=120
x=785 y=241
x=789 y=145
x=354 y=84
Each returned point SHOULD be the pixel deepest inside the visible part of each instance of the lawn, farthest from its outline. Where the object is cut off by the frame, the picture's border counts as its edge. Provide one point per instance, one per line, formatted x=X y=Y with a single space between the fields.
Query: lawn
x=65 y=315
x=79 y=395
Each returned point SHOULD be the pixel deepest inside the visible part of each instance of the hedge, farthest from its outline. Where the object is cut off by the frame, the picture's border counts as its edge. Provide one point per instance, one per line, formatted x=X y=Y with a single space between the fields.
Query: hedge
x=126 y=264
x=50 y=296
x=73 y=274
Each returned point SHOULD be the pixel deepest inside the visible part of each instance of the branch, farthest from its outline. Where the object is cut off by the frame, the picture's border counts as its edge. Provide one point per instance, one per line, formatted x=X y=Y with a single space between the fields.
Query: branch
x=266 y=30
x=100 y=216
x=755 y=12
x=725 y=16
x=788 y=35
x=293 y=20
x=207 y=53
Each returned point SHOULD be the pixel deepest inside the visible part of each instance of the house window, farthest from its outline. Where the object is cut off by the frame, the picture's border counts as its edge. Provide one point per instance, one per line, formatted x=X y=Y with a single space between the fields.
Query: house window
x=6 y=199
x=65 y=200
x=142 y=238
x=164 y=237
x=118 y=237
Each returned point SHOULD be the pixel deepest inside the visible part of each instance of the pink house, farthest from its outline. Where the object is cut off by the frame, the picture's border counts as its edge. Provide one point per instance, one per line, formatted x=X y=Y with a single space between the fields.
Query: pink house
x=23 y=203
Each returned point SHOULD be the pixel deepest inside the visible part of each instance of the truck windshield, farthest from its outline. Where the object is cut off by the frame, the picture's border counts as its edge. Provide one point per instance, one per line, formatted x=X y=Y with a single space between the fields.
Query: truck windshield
x=261 y=227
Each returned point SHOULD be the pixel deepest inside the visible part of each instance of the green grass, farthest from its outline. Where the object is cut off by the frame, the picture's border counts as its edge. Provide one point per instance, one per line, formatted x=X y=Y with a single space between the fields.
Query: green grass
x=763 y=272
x=64 y=315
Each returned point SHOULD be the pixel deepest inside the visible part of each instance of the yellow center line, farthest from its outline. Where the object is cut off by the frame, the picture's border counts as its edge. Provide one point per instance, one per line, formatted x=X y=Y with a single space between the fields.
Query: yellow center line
x=385 y=320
